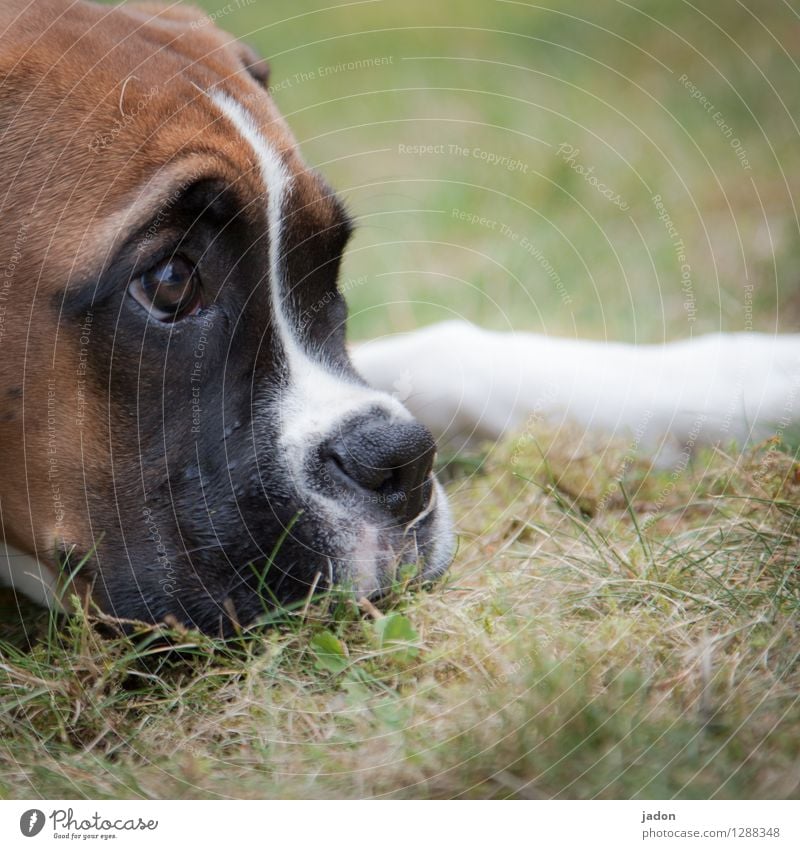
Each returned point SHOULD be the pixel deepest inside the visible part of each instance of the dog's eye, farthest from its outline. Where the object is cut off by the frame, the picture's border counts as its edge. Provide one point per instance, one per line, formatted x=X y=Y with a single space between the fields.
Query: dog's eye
x=170 y=290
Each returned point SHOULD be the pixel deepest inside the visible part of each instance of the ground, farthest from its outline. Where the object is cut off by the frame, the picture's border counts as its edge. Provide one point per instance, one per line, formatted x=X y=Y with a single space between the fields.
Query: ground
x=606 y=630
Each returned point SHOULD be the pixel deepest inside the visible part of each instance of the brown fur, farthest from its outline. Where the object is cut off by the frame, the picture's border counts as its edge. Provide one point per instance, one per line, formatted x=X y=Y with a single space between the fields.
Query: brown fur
x=71 y=75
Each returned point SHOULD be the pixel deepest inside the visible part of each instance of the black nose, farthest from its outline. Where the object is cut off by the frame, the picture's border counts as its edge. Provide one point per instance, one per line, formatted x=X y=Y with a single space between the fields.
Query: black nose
x=388 y=464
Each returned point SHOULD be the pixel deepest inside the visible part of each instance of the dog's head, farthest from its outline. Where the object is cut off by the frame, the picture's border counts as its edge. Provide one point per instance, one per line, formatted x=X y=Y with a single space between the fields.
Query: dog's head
x=176 y=400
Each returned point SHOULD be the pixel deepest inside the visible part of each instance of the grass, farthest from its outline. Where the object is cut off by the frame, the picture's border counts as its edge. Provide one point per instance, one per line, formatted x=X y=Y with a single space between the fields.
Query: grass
x=607 y=630
x=584 y=646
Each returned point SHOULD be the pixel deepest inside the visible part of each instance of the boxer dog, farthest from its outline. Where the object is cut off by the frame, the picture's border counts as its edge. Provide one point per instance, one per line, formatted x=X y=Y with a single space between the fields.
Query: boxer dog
x=183 y=435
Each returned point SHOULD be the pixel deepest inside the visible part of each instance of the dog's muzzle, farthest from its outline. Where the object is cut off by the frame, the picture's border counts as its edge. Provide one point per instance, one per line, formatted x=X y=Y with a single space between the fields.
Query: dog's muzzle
x=369 y=480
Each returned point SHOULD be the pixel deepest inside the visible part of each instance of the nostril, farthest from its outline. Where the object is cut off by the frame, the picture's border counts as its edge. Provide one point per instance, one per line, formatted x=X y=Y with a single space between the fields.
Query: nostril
x=388 y=465
x=410 y=484
x=350 y=467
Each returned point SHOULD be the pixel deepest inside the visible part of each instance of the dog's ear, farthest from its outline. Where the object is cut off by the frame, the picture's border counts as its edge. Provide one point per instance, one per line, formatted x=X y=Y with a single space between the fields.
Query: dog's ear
x=257 y=67
x=182 y=16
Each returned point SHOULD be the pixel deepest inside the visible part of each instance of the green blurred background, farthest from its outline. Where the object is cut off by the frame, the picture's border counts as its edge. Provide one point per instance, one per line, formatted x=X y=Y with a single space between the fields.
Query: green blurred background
x=696 y=103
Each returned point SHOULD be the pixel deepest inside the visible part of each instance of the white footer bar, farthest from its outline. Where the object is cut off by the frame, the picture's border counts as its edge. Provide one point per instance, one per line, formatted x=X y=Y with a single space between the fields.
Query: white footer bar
x=402 y=825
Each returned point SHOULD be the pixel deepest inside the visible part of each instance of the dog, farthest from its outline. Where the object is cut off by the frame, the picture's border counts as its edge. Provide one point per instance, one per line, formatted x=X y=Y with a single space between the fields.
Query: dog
x=184 y=435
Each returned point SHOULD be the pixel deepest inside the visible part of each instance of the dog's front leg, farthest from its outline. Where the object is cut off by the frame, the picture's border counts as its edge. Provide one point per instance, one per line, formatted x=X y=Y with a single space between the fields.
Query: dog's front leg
x=469 y=385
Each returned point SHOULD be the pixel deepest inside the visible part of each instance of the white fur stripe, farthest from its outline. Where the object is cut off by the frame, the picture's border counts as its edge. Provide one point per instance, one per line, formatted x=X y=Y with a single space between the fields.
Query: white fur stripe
x=278 y=183
x=317 y=399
